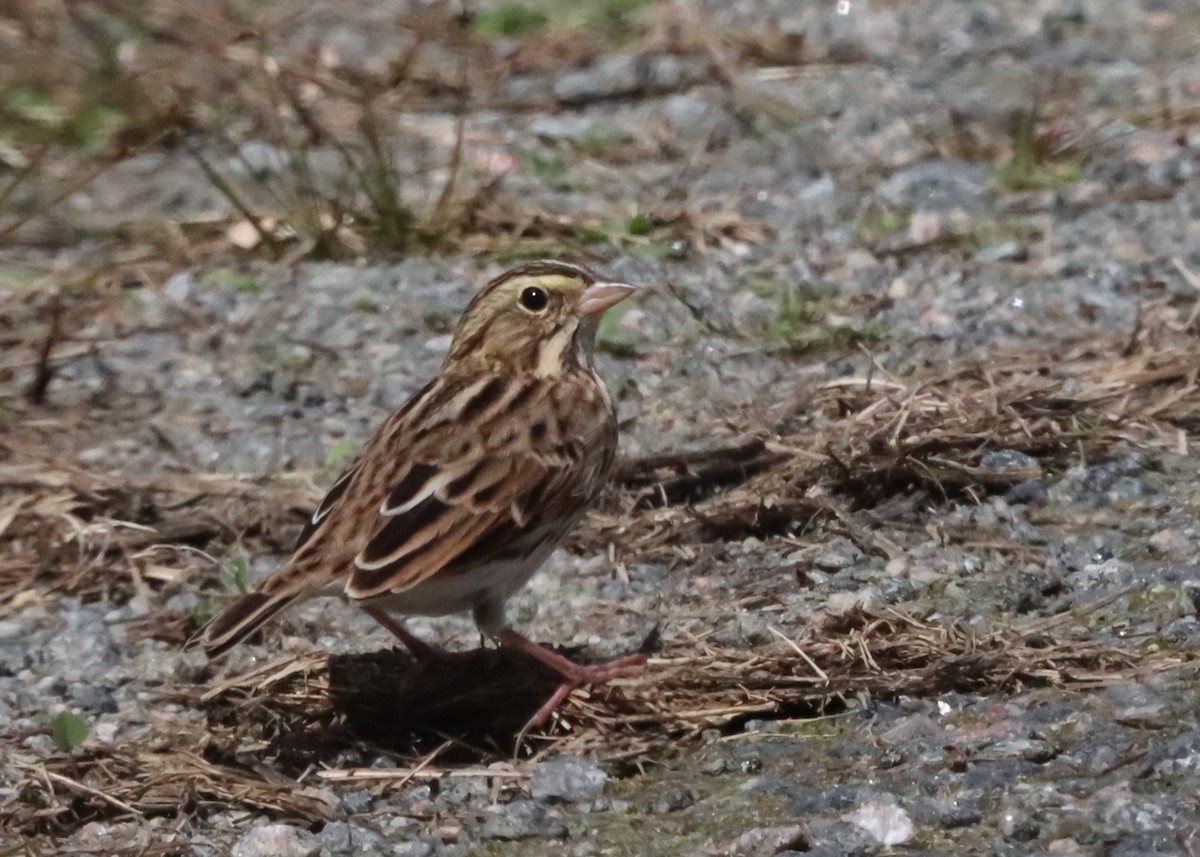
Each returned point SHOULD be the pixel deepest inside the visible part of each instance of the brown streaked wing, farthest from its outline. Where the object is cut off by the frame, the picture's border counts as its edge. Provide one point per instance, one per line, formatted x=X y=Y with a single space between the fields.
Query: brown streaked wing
x=544 y=512
x=322 y=511
x=445 y=526
x=338 y=489
x=473 y=507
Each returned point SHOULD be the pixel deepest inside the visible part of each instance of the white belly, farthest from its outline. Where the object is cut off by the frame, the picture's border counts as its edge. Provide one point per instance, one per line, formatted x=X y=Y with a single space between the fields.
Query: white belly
x=443 y=593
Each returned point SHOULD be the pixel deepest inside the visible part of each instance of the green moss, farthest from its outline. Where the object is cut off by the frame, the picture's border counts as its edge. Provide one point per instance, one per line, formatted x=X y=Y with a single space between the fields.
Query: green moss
x=234 y=281
x=639 y=224
x=511 y=19
x=440 y=318
x=1019 y=175
x=202 y=613
x=612 y=336
x=69 y=730
x=366 y=305
x=880 y=224
x=339 y=453
x=547 y=166
x=805 y=320
x=1034 y=165
x=34 y=117
x=235 y=573
x=591 y=234
x=596 y=142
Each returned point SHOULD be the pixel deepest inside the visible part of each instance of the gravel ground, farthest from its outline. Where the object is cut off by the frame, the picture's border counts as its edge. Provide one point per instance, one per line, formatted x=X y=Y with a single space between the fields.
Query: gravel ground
x=814 y=222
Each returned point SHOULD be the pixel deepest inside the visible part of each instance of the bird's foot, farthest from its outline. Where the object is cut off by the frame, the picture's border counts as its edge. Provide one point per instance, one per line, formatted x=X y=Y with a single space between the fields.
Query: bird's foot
x=573 y=675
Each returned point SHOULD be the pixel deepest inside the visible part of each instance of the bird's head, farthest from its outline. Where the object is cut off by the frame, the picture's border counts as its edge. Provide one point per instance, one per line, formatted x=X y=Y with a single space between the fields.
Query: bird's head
x=539 y=318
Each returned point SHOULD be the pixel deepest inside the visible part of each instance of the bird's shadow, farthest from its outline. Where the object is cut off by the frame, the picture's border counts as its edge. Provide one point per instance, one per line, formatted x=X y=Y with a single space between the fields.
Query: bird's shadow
x=484 y=691
x=480 y=699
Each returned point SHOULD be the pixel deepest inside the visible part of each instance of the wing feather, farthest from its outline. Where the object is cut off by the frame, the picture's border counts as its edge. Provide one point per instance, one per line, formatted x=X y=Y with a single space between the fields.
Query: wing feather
x=331 y=497
x=460 y=476
x=470 y=509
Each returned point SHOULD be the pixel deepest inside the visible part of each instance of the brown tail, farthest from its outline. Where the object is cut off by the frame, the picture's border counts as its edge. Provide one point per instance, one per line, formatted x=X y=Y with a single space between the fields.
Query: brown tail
x=239 y=620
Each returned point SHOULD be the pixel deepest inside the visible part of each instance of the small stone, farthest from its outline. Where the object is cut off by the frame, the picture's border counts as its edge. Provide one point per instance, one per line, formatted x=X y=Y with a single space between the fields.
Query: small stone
x=92 y=697
x=567 y=778
x=439 y=344
x=1004 y=251
x=611 y=76
x=936 y=185
x=42 y=745
x=553 y=128
x=886 y=822
x=352 y=803
x=1170 y=544
x=1173 y=170
x=522 y=819
x=179 y=287
x=1028 y=749
x=836 y=555
x=1191 y=591
x=758 y=841
x=412 y=849
x=338 y=837
x=751 y=312
x=84 y=648
x=672 y=800
x=695 y=119
x=262 y=159
x=1018 y=826
x=1031 y=492
x=1008 y=460
x=276 y=840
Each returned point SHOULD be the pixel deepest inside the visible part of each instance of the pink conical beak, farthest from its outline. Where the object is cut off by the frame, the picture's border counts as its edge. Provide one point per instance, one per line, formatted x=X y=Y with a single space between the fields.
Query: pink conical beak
x=598 y=297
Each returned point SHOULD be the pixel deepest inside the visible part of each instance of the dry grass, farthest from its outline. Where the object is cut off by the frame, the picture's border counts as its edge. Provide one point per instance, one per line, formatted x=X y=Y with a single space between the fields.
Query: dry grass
x=65 y=531
x=835 y=455
x=838 y=449
x=293 y=714
x=854 y=442
x=844 y=447
x=689 y=686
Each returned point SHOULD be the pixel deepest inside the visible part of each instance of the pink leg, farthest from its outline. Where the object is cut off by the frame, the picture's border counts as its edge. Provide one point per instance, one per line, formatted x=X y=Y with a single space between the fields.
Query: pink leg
x=573 y=675
x=419 y=649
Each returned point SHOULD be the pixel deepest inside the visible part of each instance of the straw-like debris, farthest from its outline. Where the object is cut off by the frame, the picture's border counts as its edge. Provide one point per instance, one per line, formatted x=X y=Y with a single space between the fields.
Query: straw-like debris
x=854 y=442
x=847 y=445
x=66 y=531
x=169 y=775
x=835 y=455
x=687 y=688
x=295 y=716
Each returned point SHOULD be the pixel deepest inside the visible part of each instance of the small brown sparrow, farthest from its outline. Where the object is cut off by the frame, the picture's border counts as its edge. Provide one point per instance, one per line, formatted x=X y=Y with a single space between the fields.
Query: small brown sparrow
x=460 y=496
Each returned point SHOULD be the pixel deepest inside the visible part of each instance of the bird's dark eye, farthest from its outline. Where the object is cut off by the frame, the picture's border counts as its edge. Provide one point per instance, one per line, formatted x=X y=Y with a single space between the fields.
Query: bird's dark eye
x=534 y=299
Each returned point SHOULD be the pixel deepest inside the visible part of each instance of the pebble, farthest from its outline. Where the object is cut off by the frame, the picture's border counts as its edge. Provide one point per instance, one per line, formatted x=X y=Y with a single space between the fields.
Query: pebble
x=522 y=819
x=1171 y=544
x=886 y=822
x=671 y=800
x=276 y=840
x=1030 y=492
x=936 y=186
x=567 y=778
x=1007 y=460
x=1004 y=251
x=837 y=554
x=338 y=837
x=757 y=842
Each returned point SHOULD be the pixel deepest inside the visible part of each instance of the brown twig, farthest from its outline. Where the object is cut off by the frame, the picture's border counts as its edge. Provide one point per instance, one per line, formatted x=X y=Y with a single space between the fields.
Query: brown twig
x=43 y=373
